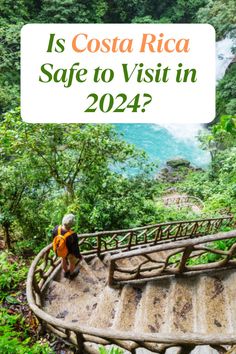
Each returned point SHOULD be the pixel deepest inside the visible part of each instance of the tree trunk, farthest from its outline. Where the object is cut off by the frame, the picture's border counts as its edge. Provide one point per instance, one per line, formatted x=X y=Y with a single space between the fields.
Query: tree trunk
x=70 y=192
x=6 y=227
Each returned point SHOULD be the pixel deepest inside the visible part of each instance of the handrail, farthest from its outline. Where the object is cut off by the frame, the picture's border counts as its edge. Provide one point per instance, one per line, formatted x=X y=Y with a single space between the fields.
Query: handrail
x=127 y=239
x=111 y=232
x=149 y=268
x=76 y=334
x=46 y=264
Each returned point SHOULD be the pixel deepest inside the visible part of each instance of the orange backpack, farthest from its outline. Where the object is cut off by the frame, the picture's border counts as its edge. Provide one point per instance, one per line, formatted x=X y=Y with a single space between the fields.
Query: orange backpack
x=59 y=243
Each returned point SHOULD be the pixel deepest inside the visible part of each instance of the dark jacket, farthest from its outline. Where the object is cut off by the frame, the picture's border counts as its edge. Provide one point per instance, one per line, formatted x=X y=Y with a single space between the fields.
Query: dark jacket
x=71 y=242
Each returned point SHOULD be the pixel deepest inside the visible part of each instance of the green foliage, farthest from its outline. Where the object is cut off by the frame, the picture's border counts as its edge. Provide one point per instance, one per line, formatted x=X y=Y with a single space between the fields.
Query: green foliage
x=48 y=170
x=9 y=65
x=181 y=11
x=209 y=257
x=53 y=169
x=10 y=53
x=173 y=213
x=13 y=11
x=220 y=14
x=226 y=124
x=115 y=201
x=149 y=11
x=145 y=19
x=113 y=350
x=226 y=93
x=206 y=257
x=11 y=274
x=14 y=336
x=72 y=11
x=217 y=186
x=221 y=137
x=14 y=14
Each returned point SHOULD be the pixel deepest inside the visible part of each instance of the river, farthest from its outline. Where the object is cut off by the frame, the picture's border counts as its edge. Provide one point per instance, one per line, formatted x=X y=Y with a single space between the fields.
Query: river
x=165 y=142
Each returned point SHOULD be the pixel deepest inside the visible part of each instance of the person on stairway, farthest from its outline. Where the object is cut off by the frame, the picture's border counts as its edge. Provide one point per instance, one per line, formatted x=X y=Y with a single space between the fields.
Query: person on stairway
x=65 y=244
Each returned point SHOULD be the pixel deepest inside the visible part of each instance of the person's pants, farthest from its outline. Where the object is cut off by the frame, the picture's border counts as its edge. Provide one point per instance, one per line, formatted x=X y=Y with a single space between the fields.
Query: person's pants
x=71 y=260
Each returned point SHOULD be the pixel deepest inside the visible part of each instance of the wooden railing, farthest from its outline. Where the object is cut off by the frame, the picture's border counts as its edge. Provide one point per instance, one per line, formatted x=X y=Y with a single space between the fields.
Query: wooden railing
x=125 y=240
x=46 y=265
x=173 y=258
x=42 y=270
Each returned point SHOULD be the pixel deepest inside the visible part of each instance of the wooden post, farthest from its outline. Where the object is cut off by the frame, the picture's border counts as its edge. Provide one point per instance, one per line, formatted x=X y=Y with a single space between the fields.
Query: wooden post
x=80 y=342
x=130 y=240
x=36 y=287
x=185 y=256
x=98 y=245
x=111 y=273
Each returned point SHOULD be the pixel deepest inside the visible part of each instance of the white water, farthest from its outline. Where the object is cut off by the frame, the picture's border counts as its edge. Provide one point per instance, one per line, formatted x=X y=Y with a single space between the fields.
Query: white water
x=224 y=57
x=186 y=133
x=172 y=140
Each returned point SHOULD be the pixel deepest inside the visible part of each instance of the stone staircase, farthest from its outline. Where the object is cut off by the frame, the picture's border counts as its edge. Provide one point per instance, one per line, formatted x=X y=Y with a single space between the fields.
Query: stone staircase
x=183 y=201
x=203 y=304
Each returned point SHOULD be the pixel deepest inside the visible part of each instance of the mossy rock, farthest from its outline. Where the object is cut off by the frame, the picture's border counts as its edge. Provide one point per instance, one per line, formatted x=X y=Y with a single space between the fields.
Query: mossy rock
x=178 y=162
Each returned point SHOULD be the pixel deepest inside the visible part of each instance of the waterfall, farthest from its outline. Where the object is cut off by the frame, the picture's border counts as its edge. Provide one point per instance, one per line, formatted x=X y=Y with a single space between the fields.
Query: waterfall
x=224 y=56
x=166 y=141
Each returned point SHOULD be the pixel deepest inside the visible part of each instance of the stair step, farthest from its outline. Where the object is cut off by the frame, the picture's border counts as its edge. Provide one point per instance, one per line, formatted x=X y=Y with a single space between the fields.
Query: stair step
x=153 y=313
x=230 y=285
x=85 y=274
x=104 y=314
x=106 y=259
x=54 y=300
x=88 y=274
x=127 y=307
x=216 y=311
x=84 y=292
x=203 y=303
x=99 y=269
x=200 y=304
x=182 y=306
x=64 y=302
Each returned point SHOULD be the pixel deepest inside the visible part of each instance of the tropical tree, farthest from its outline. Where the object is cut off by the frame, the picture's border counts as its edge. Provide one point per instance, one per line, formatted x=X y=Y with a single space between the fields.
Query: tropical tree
x=220 y=14
x=72 y=11
x=49 y=169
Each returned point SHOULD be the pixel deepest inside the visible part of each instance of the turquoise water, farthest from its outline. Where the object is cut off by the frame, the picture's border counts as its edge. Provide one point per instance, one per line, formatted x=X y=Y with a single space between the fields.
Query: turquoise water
x=164 y=143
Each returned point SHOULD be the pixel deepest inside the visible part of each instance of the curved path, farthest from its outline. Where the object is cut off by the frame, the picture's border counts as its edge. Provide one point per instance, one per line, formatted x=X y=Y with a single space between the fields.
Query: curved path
x=183 y=201
x=192 y=306
x=157 y=314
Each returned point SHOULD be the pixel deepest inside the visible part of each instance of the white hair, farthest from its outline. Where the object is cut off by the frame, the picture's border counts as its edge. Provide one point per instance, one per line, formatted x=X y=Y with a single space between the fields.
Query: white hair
x=68 y=221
